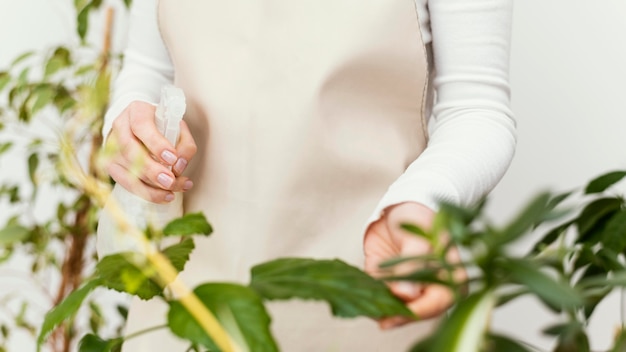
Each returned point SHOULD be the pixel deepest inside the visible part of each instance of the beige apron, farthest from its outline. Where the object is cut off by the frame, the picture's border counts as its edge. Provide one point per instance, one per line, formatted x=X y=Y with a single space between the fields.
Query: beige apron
x=304 y=113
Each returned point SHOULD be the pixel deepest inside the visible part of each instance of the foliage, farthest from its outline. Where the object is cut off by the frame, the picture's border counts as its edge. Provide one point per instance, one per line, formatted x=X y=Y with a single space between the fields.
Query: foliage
x=64 y=91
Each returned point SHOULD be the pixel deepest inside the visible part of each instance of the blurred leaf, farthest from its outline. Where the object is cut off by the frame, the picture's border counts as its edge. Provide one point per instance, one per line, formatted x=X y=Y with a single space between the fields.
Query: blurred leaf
x=239 y=310
x=500 y=343
x=591 y=216
x=532 y=214
x=424 y=275
x=465 y=328
x=349 y=291
x=41 y=96
x=510 y=296
x=93 y=343
x=82 y=21
x=550 y=237
x=425 y=259
x=64 y=310
x=5 y=78
x=548 y=289
x=617 y=279
x=60 y=59
x=601 y=183
x=573 y=339
x=96 y=319
x=620 y=342
x=13 y=233
x=33 y=164
x=128 y=3
x=593 y=297
x=416 y=230
x=4 y=147
x=63 y=100
x=22 y=57
x=614 y=234
x=189 y=224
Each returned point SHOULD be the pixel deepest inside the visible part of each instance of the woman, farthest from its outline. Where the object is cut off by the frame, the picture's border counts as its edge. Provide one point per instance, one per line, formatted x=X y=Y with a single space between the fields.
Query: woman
x=306 y=135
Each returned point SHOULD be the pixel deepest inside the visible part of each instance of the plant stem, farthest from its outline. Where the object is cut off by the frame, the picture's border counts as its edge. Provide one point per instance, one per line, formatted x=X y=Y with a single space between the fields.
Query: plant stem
x=144 y=331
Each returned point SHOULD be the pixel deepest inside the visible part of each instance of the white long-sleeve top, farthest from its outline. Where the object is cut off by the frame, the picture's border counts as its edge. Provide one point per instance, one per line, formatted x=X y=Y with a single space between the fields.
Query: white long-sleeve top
x=472 y=137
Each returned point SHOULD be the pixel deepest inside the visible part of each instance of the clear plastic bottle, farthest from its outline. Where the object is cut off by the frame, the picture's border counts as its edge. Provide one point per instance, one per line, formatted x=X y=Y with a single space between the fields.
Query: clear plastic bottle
x=138 y=211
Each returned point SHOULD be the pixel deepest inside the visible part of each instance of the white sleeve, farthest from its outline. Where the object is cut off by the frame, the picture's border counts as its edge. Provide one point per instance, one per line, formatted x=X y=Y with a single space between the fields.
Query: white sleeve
x=146 y=66
x=473 y=138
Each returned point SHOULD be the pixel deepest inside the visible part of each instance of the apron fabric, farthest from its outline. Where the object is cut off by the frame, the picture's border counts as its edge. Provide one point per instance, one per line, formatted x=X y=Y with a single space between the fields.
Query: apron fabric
x=304 y=112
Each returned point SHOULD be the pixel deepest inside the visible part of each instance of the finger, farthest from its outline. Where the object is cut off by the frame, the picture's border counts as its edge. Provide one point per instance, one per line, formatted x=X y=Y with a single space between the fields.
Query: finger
x=435 y=299
x=134 y=185
x=136 y=160
x=143 y=127
x=186 y=149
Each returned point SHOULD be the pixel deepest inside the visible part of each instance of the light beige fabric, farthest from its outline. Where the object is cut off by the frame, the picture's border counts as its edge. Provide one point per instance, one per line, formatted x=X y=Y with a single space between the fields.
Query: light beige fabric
x=304 y=113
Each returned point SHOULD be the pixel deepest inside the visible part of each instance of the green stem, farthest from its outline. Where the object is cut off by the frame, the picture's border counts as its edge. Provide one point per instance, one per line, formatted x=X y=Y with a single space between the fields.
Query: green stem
x=144 y=331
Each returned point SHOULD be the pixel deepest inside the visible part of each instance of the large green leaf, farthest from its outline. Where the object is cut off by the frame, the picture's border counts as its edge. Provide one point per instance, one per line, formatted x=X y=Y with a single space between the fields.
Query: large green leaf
x=349 y=291
x=464 y=330
x=189 y=224
x=13 y=233
x=238 y=308
x=550 y=290
x=601 y=183
x=93 y=343
x=131 y=273
x=64 y=310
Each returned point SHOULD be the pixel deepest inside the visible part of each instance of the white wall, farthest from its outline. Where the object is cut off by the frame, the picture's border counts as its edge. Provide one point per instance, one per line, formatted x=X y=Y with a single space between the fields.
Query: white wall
x=567 y=77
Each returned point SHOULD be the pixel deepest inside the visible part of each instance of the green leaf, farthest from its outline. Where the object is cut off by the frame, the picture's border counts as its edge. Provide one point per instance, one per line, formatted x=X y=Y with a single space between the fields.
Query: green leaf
x=22 y=57
x=60 y=59
x=178 y=254
x=572 y=338
x=239 y=310
x=601 y=183
x=4 y=147
x=532 y=214
x=465 y=328
x=349 y=291
x=129 y=272
x=416 y=230
x=590 y=219
x=33 y=164
x=189 y=224
x=64 y=310
x=40 y=97
x=550 y=237
x=13 y=233
x=614 y=234
x=499 y=343
x=548 y=289
x=82 y=21
x=93 y=343
x=128 y=3
x=5 y=78
x=620 y=342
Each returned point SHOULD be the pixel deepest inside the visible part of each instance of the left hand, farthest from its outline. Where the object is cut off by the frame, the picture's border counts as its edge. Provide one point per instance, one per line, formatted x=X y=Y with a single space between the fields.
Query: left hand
x=385 y=239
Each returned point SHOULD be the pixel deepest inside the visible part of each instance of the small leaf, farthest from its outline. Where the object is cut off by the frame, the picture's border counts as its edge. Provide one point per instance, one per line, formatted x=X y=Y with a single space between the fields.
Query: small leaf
x=33 y=164
x=614 y=234
x=64 y=310
x=239 y=310
x=550 y=237
x=464 y=329
x=416 y=230
x=601 y=183
x=551 y=291
x=499 y=343
x=5 y=78
x=82 y=21
x=189 y=224
x=349 y=291
x=13 y=233
x=93 y=343
x=22 y=57
x=60 y=59
x=4 y=147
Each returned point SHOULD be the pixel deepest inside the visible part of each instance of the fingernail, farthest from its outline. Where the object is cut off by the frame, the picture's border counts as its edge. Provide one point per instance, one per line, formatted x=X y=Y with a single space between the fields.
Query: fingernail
x=169 y=197
x=187 y=185
x=165 y=180
x=180 y=166
x=169 y=157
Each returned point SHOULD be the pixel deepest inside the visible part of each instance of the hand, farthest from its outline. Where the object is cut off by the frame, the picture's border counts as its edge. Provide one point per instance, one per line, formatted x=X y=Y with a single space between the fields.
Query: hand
x=385 y=239
x=144 y=157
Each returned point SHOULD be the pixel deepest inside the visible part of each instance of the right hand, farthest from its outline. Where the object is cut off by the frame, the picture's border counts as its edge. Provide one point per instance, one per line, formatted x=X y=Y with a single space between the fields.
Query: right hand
x=144 y=157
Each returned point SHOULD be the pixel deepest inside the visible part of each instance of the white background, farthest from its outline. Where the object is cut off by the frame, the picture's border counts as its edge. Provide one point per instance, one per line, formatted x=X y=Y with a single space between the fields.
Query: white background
x=567 y=72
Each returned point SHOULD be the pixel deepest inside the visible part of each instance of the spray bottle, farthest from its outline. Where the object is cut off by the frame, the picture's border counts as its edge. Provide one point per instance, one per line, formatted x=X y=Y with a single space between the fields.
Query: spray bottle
x=138 y=211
